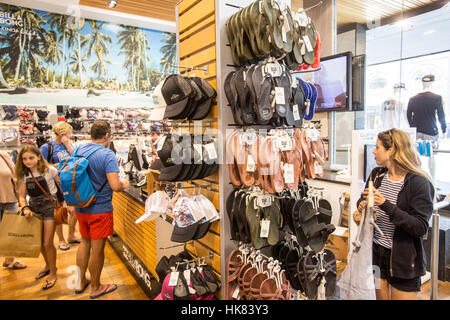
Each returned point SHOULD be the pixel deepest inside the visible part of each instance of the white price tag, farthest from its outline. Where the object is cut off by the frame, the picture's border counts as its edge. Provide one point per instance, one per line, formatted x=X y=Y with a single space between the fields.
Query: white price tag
x=211 y=149
x=308 y=44
x=296 y=112
x=265 y=225
x=249 y=137
x=279 y=95
x=301 y=18
x=318 y=168
x=187 y=276
x=264 y=201
x=251 y=165
x=284 y=34
x=173 y=279
x=288 y=173
x=274 y=69
x=284 y=143
x=236 y=293
x=199 y=148
x=160 y=143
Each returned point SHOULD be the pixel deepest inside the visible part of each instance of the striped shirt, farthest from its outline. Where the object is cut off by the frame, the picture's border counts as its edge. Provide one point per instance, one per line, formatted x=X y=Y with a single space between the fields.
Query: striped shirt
x=389 y=189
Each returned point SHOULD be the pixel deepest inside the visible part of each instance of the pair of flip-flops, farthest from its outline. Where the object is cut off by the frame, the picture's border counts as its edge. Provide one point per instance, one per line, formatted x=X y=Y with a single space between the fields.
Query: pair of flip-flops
x=265 y=94
x=250 y=277
x=246 y=216
x=265 y=29
x=312 y=226
x=314 y=268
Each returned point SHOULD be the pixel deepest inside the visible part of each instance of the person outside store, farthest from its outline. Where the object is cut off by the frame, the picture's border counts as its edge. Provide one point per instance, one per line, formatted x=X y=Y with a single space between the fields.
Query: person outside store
x=8 y=200
x=403 y=197
x=34 y=175
x=55 y=151
x=96 y=221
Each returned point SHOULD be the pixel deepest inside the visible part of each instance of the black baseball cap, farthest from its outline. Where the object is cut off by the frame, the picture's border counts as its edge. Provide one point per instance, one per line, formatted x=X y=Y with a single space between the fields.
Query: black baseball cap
x=176 y=92
x=204 y=106
x=184 y=234
x=428 y=78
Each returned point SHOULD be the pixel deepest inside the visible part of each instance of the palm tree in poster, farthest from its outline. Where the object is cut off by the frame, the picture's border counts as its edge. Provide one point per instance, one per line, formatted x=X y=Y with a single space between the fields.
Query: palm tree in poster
x=32 y=23
x=78 y=25
x=59 y=23
x=98 y=42
x=132 y=45
x=54 y=52
x=169 y=51
x=77 y=63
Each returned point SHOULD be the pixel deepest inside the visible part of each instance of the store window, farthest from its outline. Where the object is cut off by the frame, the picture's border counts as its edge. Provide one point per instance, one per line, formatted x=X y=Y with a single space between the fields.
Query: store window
x=398 y=53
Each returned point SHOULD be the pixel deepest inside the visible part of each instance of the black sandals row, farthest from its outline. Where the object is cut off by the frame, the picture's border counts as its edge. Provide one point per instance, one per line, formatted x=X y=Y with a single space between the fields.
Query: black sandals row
x=266 y=93
x=182 y=158
x=307 y=270
x=265 y=29
x=308 y=217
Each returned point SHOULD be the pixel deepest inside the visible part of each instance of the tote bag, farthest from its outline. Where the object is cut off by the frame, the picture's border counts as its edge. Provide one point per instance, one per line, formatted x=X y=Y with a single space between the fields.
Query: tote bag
x=20 y=236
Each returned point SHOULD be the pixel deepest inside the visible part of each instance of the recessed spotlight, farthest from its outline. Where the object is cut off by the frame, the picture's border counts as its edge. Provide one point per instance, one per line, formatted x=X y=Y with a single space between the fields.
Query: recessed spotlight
x=112 y=3
x=429 y=32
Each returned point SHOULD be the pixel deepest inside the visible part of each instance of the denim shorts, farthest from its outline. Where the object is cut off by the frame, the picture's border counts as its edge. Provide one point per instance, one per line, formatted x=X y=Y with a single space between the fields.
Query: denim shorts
x=43 y=208
x=382 y=258
x=12 y=206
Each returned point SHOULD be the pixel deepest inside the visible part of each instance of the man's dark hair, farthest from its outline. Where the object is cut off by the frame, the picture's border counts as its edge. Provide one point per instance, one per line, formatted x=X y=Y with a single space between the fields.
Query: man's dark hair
x=99 y=129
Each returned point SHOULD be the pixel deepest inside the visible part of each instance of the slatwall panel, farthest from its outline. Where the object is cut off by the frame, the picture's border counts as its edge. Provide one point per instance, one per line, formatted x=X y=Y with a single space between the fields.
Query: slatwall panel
x=197 y=48
x=140 y=238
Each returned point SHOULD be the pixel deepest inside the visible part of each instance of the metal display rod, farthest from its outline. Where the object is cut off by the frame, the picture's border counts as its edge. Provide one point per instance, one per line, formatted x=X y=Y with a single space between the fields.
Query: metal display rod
x=435 y=246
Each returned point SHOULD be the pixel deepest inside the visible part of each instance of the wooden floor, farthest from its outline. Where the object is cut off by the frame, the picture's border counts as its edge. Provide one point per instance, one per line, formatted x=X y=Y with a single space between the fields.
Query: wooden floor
x=20 y=284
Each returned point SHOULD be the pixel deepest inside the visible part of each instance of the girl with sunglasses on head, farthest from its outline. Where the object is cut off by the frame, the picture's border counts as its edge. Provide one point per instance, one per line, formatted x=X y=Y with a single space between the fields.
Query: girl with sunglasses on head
x=403 y=198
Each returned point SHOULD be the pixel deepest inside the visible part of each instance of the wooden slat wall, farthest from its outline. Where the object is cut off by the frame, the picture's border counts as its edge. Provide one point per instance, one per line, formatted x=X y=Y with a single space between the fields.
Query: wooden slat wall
x=157 y=9
x=197 y=37
x=141 y=238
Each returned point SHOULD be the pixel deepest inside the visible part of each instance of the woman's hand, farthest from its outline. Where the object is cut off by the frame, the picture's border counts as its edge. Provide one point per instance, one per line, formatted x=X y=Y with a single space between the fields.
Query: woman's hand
x=28 y=213
x=378 y=198
x=361 y=206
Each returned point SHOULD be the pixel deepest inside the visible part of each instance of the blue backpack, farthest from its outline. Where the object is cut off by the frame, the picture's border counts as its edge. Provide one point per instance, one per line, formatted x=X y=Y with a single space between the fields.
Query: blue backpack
x=76 y=184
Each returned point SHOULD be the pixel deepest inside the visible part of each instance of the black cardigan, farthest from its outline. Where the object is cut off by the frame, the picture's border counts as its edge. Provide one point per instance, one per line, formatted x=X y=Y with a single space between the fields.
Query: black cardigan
x=410 y=216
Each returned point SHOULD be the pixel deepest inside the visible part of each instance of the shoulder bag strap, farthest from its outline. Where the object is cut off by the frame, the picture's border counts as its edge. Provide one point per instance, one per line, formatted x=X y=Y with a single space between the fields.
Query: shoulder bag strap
x=95 y=149
x=40 y=187
x=50 y=152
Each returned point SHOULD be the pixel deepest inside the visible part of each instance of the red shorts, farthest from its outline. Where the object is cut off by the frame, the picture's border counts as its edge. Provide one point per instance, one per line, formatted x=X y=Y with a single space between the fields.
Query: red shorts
x=95 y=226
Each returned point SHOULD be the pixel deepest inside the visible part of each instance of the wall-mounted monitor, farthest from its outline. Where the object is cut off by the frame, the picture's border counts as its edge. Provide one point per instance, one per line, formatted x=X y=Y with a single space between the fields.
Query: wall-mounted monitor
x=358 y=82
x=334 y=83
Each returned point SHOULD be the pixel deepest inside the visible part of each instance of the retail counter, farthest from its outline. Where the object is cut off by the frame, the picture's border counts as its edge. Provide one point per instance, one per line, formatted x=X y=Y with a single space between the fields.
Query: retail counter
x=135 y=244
x=141 y=246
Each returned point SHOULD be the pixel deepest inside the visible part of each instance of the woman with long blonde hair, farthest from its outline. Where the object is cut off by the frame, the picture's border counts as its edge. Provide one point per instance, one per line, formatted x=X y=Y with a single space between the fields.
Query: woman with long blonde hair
x=55 y=151
x=403 y=197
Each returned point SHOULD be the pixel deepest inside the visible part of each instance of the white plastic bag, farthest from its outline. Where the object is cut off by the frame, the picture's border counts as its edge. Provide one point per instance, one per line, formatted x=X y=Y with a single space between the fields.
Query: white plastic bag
x=357 y=280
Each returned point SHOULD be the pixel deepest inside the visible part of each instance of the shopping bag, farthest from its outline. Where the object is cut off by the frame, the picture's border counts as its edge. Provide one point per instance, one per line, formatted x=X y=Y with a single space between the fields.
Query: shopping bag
x=20 y=236
x=357 y=282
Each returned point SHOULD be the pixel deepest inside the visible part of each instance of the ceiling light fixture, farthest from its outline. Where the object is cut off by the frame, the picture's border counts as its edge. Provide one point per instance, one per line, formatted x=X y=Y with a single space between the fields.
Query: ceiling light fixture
x=112 y=3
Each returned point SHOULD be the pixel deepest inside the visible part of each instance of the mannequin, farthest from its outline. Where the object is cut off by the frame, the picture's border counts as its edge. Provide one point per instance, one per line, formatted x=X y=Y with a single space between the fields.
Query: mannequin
x=421 y=114
x=393 y=112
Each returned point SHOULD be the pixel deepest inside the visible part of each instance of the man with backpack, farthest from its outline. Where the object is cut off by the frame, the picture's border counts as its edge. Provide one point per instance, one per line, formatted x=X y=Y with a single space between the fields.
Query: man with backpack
x=96 y=220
